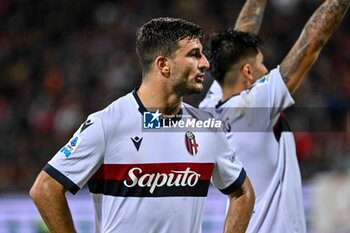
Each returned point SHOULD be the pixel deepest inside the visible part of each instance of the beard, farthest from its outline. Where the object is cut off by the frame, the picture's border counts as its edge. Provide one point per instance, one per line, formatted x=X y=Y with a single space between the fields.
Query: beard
x=195 y=91
x=186 y=90
x=187 y=86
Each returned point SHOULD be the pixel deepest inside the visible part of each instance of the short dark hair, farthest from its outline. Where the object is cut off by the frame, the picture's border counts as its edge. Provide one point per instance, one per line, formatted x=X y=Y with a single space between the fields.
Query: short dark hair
x=227 y=47
x=160 y=36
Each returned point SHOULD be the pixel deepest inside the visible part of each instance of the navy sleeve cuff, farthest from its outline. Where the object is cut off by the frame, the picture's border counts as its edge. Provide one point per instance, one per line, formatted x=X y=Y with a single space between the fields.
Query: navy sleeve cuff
x=62 y=179
x=235 y=185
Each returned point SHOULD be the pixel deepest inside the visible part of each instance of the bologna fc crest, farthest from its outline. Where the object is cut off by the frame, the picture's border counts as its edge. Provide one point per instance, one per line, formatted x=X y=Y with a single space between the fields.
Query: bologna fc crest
x=191 y=144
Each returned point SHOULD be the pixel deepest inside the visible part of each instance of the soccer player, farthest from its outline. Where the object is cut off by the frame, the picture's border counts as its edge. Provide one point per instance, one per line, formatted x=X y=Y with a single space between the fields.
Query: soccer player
x=251 y=106
x=249 y=20
x=149 y=181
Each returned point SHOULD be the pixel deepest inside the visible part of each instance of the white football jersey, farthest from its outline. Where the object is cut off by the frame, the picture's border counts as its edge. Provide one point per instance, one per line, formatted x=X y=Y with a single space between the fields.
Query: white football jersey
x=145 y=180
x=213 y=96
x=256 y=125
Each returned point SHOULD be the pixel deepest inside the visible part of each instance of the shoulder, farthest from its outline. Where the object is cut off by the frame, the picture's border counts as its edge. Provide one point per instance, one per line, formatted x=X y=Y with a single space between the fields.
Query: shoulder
x=212 y=97
x=112 y=113
x=118 y=107
x=196 y=113
x=274 y=76
x=207 y=122
x=267 y=87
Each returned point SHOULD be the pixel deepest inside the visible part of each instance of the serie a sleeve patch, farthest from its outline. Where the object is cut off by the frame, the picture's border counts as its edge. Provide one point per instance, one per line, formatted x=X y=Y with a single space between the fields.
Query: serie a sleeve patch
x=71 y=146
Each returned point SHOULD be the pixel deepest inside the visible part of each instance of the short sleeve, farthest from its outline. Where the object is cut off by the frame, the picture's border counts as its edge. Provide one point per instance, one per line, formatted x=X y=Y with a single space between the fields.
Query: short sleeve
x=267 y=98
x=79 y=159
x=228 y=174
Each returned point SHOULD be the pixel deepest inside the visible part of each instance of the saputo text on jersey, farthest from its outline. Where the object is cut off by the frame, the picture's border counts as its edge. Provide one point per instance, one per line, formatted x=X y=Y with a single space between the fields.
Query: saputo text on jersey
x=154 y=180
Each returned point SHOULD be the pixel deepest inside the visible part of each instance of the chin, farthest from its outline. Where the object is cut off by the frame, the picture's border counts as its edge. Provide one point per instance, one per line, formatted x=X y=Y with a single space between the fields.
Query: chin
x=195 y=91
x=189 y=90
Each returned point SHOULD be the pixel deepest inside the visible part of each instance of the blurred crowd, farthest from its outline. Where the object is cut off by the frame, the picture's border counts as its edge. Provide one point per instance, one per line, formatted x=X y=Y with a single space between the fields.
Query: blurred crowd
x=62 y=60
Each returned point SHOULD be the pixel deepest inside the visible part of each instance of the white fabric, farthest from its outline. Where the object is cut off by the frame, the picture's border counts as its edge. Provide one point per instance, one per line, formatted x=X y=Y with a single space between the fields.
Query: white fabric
x=270 y=162
x=212 y=97
x=105 y=150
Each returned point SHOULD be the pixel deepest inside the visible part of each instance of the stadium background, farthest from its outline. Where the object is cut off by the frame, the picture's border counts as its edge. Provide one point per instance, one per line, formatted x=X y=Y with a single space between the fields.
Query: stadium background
x=61 y=60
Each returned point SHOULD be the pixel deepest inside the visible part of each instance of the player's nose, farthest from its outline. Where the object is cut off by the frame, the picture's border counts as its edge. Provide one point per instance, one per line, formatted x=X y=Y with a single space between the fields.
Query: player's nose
x=203 y=63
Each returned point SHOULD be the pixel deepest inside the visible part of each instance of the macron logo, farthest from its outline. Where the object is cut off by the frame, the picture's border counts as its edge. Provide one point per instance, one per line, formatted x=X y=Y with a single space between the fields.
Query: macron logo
x=86 y=124
x=137 y=142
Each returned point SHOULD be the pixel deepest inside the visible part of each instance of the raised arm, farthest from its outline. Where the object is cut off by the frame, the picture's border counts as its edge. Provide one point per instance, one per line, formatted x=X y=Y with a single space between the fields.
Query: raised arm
x=250 y=17
x=49 y=197
x=312 y=39
x=241 y=204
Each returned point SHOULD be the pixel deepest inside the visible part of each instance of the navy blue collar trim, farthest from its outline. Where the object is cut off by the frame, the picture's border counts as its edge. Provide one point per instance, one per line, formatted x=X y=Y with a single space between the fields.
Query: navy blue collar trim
x=142 y=109
x=220 y=103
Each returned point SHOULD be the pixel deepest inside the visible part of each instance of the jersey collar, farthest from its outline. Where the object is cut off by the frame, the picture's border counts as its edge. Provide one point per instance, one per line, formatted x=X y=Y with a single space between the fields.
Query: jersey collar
x=142 y=109
x=220 y=103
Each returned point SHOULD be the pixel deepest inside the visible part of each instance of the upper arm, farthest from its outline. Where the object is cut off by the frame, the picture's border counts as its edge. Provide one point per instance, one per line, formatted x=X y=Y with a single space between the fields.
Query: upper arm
x=45 y=184
x=241 y=204
x=314 y=36
x=49 y=197
x=245 y=189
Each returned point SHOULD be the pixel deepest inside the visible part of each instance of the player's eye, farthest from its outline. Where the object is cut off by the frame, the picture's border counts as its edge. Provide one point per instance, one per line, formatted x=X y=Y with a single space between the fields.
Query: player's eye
x=195 y=54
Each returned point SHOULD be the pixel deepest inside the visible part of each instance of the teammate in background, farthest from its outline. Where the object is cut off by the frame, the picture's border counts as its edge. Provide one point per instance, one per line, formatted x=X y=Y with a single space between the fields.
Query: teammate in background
x=249 y=20
x=148 y=182
x=252 y=104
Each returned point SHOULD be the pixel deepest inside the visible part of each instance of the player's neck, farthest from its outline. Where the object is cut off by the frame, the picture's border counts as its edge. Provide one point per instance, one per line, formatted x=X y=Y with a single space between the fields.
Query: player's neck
x=233 y=83
x=156 y=96
x=230 y=90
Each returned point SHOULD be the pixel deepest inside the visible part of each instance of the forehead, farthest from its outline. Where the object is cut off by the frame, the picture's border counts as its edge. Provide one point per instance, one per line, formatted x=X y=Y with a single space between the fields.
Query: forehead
x=186 y=45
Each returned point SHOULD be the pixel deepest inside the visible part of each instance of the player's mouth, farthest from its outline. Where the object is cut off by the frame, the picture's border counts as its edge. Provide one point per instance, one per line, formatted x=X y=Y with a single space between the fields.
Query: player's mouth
x=200 y=78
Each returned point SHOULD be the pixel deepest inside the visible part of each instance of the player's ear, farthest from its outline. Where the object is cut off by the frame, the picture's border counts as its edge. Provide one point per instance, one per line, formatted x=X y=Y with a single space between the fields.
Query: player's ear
x=162 y=64
x=247 y=72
